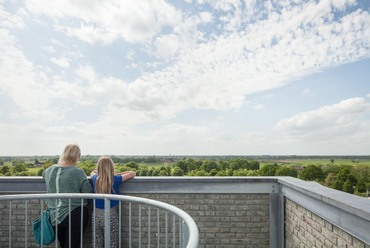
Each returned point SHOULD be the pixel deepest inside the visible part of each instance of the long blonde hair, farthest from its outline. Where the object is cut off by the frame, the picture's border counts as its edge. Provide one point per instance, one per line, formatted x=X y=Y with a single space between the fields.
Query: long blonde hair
x=71 y=154
x=105 y=171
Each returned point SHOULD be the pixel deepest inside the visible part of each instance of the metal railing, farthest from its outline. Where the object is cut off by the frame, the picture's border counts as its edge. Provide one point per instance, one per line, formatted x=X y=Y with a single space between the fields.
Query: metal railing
x=142 y=222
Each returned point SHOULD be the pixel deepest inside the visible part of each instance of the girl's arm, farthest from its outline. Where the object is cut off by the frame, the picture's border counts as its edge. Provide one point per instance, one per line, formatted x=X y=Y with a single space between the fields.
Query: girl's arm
x=93 y=173
x=127 y=175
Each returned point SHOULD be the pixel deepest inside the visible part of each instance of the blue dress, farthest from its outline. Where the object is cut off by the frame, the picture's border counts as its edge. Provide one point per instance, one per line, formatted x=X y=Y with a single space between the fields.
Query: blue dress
x=99 y=203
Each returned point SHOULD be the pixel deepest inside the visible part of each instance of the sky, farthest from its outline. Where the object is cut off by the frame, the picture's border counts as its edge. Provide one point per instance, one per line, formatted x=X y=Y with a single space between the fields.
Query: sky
x=185 y=77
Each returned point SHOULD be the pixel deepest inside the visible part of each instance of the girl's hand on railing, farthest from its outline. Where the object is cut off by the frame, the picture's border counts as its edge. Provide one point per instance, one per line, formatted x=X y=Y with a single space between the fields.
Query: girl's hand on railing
x=126 y=175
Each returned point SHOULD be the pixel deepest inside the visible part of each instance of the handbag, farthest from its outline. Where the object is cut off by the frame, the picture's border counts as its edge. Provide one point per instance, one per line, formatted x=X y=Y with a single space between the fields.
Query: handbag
x=48 y=235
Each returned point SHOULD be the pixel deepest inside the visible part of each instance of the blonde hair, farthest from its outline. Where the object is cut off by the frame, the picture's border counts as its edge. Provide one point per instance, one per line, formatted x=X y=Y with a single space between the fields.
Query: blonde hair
x=71 y=154
x=105 y=171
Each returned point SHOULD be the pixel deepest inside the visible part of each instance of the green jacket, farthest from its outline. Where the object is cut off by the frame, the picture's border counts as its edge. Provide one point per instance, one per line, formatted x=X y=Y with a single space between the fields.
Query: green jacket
x=60 y=179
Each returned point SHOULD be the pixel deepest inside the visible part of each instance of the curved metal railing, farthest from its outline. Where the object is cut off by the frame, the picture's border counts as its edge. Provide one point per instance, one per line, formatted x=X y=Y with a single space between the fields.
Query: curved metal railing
x=147 y=222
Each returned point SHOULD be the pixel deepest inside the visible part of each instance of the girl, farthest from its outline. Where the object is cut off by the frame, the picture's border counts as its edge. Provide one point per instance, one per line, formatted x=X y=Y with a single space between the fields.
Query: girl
x=105 y=181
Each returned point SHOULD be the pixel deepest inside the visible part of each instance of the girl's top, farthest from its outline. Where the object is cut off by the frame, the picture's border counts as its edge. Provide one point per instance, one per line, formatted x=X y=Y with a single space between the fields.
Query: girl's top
x=99 y=203
x=62 y=179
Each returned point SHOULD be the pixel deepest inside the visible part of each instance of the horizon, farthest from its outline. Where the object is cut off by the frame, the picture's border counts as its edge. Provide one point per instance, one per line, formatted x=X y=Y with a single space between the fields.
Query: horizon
x=182 y=155
x=185 y=77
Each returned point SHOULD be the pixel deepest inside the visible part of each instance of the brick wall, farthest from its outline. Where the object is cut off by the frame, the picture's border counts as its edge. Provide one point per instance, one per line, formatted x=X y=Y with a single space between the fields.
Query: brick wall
x=225 y=220
x=305 y=229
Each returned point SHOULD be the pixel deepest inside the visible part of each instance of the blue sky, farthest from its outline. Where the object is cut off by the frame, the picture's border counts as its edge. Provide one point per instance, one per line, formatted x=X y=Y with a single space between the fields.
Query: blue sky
x=185 y=77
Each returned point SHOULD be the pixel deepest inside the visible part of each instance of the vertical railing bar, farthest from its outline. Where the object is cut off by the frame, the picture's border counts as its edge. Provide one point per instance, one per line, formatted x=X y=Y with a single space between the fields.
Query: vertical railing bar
x=94 y=223
x=180 y=235
x=186 y=234
x=25 y=223
x=106 y=222
x=10 y=224
x=82 y=220
x=42 y=222
x=56 y=223
x=129 y=224
x=139 y=225
x=158 y=228
x=119 y=224
x=69 y=222
x=174 y=230
x=149 y=227
x=166 y=221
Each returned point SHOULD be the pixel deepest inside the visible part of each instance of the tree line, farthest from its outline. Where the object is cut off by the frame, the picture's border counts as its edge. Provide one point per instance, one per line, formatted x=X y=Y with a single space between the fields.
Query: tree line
x=354 y=179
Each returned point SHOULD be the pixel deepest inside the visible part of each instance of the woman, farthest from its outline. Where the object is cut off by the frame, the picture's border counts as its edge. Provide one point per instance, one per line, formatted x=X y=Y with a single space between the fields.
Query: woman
x=105 y=181
x=66 y=177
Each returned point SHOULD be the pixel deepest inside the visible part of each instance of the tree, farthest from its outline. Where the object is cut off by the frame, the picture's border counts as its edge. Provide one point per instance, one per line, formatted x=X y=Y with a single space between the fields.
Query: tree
x=163 y=173
x=348 y=187
x=193 y=165
x=268 y=169
x=156 y=172
x=361 y=185
x=143 y=171
x=312 y=173
x=133 y=165
x=241 y=172
x=254 y=165
x=125 y=168
x=177 y=171
x=239 y=163
x=221 y=174
x=19 y=168
x=208 y=165
x=330 y=179
x=213 y=172
x=150 y=172
x=343 y=176
x=201 y=173
x=223 y=165
x=183 y=165
x=5 y=169
x=286 y=171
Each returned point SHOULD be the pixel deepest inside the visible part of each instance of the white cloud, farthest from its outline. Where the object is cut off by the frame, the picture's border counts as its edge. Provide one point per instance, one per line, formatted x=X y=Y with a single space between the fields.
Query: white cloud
x=62 y=62
x=134 y=21
x=260 y=107
x=167 y=45
x=206 y=17
x=22 y=82
x=340 y=119
x=8 y=21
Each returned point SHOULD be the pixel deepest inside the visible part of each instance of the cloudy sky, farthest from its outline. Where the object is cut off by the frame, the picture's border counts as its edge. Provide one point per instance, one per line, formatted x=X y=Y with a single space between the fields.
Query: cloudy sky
x=186 y=77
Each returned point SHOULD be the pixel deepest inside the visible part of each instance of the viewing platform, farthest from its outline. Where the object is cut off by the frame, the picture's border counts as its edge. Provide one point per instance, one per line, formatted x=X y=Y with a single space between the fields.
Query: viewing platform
x=229 y=212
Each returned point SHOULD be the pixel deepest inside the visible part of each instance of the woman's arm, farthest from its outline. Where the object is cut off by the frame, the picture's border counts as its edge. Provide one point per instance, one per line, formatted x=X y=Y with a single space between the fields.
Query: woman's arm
x=127 y=175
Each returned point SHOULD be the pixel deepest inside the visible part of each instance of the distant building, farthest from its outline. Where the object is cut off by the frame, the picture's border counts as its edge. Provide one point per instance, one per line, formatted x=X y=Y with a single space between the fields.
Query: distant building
x=37 y=163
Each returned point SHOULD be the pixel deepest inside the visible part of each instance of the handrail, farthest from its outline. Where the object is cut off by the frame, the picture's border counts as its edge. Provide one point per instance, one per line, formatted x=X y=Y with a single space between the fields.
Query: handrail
x=193 y=232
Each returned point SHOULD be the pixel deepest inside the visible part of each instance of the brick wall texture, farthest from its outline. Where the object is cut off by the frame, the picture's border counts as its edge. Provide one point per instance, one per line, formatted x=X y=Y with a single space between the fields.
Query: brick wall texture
x=225 y=220
x=305 y=229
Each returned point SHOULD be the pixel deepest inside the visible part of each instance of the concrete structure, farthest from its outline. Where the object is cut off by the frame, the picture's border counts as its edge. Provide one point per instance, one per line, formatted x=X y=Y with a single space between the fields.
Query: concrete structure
x=257 y=212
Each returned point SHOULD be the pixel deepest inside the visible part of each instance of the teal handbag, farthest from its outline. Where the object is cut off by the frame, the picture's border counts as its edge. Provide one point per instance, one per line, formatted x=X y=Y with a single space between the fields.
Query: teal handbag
x=48 y=235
